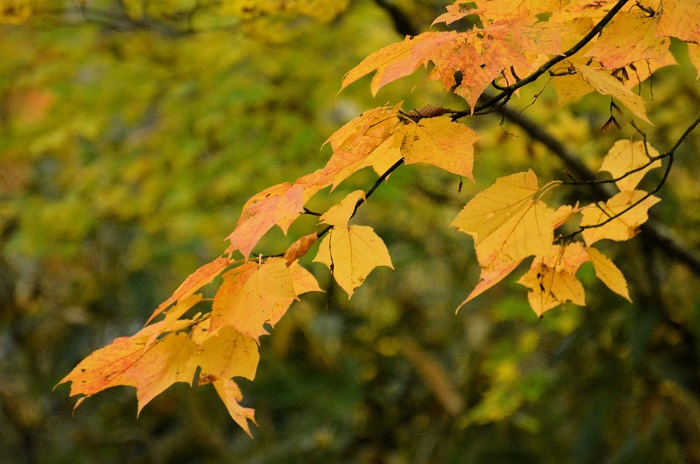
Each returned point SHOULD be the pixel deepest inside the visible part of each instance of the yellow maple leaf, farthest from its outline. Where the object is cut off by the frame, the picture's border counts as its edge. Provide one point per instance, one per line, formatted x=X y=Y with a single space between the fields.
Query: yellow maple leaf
x=626 y=156
x=621 y=228
x=352 y=253
x=339 y=215
x=630 y=37
x=606 y=84
x=441 y=142
x=608 y=273
x=507 y=222
x=681 y=19
x=253 y=295
x=231 y=395
x=552 y=278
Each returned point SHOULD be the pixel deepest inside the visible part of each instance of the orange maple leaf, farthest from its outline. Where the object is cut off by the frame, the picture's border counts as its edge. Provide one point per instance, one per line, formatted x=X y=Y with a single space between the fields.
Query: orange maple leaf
x=151 y=368
x=253 y=295
x=479 y=55
x=280 y=204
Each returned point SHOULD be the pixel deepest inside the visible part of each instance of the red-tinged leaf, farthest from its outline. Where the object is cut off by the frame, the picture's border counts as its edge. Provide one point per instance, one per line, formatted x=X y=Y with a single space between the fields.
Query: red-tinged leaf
x=622 y=228
x=605 y=84
x=312 y=183
x=303 y=280
x=253 y=295
x=681 y=19
x=231 y=395
x=198 y=279
x=352 y=253
x=129 y=361
x=629 y=38
x=507 y=222
x=626 y=156
x=608 y=273
x=479 y=55
x=172 y=321
x=363 y=142
x=340 y=214
x=299 y=248
x=488 y=278
x=280 y=204
x=441 y=142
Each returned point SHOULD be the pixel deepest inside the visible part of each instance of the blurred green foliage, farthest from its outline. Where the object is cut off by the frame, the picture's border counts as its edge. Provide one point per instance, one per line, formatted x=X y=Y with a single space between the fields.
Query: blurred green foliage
x=129 y=141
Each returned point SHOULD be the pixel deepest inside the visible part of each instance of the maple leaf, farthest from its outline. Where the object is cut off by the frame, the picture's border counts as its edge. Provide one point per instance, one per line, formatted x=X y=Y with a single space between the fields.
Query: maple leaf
x=563 y=214
x=489 y=277
x=552 y=278
x=608 y=273
x=360 y=144
x=681 y=19
x=630 y=37
x=340 y=214
x=151 y=368
x=253 y=295
x=280 y=204
x=479 y=55
x=605 y=84
x=351 y=253
x=507 y=222
x=440 y=142
x=199 y=278
x=303 y=280
x=299 y=248
x=231 y=395
x=626 y=156
x=621 y=228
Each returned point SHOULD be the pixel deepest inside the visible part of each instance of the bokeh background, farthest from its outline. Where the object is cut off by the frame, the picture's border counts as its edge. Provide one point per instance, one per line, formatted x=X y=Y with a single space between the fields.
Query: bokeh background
x=131 y=134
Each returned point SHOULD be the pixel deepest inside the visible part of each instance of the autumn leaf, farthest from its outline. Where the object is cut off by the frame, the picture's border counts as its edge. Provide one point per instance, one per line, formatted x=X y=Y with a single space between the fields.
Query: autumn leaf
x=489 y=277
x=507 y=222
x=681 y=19
x=253 y=295
x=340 y=214
x=352 y=253
x=563 y=214
x=552 y=279
x=362 y=143
x=303 y=280
x=280 y=204
x=630 y=37
x=626 y=156
x=440 y=142
x=299 y=248
x=130 y=361
x=608 y=273
x=479 y=55
x=199 y=278
x=605 y=84
x=231 y=395
x=620 y=228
